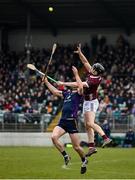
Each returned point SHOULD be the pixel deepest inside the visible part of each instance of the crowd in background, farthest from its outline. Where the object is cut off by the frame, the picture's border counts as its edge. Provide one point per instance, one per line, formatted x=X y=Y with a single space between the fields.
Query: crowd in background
x=117 y=91
x=22 y=90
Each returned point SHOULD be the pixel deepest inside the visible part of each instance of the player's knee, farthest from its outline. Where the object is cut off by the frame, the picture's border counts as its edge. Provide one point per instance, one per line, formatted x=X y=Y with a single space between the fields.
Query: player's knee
x=76 y=147
x=89 y=125
x=87 y=128
x=54 y=138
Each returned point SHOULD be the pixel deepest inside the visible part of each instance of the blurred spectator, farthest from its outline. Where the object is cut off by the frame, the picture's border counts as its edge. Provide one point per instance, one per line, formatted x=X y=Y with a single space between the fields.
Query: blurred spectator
x=106 y=128
x=102 y=115
x=117 y=114
x=49 y=108
x=133 y=110
x=129 y=139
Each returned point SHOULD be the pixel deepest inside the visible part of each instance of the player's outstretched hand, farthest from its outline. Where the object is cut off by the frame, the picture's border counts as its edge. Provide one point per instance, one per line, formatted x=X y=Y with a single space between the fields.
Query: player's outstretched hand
x=78 y=49
x=74 y=69
x=44 y=79
x=60 y=83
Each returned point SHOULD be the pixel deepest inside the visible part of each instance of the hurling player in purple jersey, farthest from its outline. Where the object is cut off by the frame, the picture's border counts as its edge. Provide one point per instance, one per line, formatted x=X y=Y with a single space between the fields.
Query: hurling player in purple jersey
x=90 y=104
x=68 y=121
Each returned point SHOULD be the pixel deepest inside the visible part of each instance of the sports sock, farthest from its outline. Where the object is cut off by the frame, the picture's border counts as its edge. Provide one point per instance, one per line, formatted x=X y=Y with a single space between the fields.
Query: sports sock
x=91 y=145
x=64 y=153
x=104 y=137
x=83 y=159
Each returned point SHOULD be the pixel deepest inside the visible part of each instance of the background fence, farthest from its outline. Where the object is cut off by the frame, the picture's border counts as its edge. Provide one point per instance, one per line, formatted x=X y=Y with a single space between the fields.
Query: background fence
x=37 y=122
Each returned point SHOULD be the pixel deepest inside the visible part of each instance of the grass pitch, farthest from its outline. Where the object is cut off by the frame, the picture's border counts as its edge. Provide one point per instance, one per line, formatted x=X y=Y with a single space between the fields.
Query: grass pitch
x=47 y=163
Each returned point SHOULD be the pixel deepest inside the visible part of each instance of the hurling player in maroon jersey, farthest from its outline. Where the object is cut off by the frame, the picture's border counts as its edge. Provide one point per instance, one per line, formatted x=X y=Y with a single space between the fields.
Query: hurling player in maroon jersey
x=91 y=103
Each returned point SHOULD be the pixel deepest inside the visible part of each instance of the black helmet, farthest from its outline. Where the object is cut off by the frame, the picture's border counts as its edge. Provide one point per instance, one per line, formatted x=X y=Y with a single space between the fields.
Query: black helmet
x=99 y=68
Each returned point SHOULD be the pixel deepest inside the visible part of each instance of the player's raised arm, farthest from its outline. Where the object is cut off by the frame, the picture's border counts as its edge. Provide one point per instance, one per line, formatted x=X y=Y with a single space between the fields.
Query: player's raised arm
x=52 y=89
x=70 y=84
x=78 y=80
x=83 y=58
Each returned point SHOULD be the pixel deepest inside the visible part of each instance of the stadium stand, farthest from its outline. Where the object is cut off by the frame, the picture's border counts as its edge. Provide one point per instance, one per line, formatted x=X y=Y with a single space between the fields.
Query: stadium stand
x=22 y=91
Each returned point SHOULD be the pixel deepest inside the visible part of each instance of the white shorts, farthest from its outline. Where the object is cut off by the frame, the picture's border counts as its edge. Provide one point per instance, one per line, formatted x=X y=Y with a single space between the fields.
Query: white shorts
x=90 y=105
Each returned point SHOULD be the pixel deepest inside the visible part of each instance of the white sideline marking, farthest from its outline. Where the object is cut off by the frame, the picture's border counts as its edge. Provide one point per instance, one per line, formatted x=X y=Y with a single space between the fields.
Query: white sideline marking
x=100 y=161
x=65 y=167
x=69 y=168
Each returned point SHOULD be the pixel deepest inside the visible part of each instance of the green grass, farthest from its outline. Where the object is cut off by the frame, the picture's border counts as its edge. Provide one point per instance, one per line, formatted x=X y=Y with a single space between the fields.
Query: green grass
x=46 y=163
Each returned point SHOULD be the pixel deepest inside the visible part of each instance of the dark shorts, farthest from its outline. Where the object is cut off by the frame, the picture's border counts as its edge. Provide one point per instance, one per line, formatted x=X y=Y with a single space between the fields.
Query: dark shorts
x=70 y=126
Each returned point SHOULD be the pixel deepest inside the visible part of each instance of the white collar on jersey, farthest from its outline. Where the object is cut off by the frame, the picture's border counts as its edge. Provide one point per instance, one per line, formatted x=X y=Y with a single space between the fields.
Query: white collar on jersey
x=95 y=76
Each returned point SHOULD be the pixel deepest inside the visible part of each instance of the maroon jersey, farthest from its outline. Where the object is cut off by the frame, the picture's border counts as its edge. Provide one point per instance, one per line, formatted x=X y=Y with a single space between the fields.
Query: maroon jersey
x=93 y=82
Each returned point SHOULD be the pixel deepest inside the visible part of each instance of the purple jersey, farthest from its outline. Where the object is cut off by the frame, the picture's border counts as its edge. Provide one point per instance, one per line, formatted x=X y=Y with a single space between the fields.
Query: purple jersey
x=71 y=104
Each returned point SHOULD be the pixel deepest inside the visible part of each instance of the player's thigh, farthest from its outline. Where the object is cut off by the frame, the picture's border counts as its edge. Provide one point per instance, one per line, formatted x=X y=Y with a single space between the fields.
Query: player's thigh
x=89 y=116
x=89 y=110
x=75 y=139
x=58 y=132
